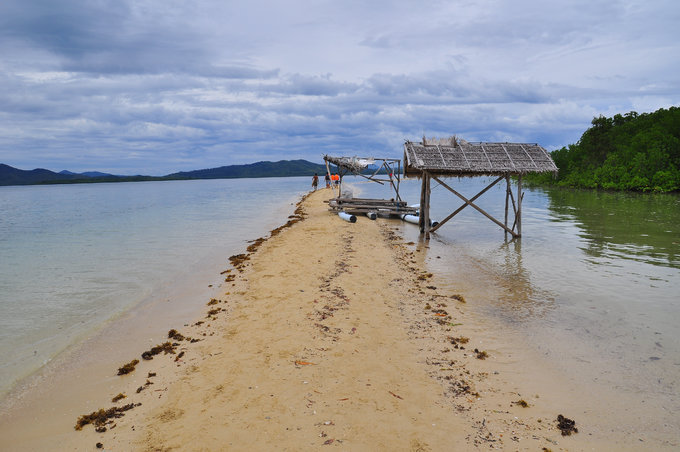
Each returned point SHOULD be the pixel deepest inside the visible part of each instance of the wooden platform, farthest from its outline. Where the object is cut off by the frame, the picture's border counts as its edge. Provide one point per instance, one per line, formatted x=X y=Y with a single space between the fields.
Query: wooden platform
x=365 y=205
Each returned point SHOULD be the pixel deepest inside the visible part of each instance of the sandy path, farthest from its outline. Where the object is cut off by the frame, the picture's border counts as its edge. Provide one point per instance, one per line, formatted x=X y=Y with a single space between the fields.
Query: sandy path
x=325 y=294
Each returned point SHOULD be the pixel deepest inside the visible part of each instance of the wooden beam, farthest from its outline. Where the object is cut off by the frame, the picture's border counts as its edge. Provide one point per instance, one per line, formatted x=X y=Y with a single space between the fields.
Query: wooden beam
x=467 y=202
x=470 y=202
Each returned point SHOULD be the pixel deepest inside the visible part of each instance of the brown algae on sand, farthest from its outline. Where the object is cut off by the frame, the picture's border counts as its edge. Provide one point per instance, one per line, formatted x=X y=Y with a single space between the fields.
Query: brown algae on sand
x=458 y=297
x=165 y=347
x=481 y=354
x=127 y=368
x=103 y=417
x=567 y=426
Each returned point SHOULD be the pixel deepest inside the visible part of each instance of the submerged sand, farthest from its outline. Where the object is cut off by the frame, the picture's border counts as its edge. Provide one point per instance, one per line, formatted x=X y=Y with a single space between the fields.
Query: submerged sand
x=330 y=334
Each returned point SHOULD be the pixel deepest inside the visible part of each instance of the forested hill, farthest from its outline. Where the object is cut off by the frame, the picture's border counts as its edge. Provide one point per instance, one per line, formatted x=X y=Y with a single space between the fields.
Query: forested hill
x=633 y=151
x=283 y=168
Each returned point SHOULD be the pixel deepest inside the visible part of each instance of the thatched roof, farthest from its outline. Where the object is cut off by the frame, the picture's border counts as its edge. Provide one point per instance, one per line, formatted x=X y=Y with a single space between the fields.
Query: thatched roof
x=352 y=164
x=461 y=158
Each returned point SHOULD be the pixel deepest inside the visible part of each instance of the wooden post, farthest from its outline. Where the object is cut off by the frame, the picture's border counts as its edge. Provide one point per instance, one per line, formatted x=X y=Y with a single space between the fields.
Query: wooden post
x=425 y=208
x=421 y=223
x=519 y=205
x=507 y=194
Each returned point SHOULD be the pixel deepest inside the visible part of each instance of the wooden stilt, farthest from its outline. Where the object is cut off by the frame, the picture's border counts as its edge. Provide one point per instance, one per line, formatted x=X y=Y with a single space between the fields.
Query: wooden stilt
x=507 y=195
x=425 y=208
x=421 y=223
x=519 y=206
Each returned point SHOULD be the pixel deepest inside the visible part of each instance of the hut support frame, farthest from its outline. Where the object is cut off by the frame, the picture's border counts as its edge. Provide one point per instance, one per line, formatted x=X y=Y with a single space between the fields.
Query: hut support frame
x=425 y=191
x=391 y=171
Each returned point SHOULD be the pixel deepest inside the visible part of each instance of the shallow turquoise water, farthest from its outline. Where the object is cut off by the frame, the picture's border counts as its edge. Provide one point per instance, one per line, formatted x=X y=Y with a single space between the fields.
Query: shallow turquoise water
x=75 y=256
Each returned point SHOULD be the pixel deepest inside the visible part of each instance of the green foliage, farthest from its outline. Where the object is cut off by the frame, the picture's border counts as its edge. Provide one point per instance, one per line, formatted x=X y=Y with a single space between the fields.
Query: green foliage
x=639 y=152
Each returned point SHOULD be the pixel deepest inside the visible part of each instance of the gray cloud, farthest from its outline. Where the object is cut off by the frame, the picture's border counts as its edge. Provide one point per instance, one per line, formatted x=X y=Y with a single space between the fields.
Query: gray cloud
x=156 y=87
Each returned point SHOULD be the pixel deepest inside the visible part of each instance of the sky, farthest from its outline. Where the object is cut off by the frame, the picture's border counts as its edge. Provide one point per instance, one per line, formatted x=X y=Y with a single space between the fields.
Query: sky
x=154 y=87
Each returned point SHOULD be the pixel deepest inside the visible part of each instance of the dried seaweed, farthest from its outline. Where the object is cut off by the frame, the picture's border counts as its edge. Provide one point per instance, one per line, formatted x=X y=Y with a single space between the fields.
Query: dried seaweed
x=458 y=297
x=174 y=334
x=127 y=368
x=101 y=417
x=458 y=341
x=166 y=347
x=567 y=426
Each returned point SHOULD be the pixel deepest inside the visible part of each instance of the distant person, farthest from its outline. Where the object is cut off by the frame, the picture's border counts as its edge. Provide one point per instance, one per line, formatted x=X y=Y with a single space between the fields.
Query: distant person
x=328 y=180
x=315 y=181
x=336 y=179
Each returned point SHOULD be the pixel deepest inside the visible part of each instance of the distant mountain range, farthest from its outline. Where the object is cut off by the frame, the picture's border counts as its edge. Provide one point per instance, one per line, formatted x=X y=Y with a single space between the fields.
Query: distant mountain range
x=282 y=168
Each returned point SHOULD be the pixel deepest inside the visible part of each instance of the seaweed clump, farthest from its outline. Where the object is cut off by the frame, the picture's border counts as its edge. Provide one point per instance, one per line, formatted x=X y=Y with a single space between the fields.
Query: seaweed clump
x=458 y=297
x=127 y=368
x=481 y=354
x=239 y=260
x=165 y=347
x=567 y=426
x=118 y=397
x=255 y=244
x=458 y=341
x=102 y=417
x=523 y=403
x=176 y=335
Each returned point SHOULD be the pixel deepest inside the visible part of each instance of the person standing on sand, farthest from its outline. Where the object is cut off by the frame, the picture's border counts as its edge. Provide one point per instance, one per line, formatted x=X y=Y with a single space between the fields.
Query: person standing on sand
x=315 y=181
x=328 y=180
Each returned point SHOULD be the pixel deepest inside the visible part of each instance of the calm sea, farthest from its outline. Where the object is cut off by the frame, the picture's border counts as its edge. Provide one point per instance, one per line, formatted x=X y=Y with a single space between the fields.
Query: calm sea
x=73 y=257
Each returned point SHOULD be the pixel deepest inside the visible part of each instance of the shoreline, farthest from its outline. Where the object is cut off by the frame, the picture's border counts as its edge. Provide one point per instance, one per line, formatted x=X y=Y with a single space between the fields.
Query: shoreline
x=329 y=333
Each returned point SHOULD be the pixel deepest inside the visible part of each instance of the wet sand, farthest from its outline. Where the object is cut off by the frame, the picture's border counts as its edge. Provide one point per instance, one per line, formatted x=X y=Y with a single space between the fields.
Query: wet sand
x=327 y=334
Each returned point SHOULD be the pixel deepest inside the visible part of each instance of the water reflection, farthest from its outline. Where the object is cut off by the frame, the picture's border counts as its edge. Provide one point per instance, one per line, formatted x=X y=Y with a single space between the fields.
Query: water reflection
x=496 y=277
x=521 y=299
x=637 y=226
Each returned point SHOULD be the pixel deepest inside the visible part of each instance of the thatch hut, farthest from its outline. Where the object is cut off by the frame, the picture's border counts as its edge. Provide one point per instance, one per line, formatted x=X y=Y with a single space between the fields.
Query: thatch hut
x=454 y=157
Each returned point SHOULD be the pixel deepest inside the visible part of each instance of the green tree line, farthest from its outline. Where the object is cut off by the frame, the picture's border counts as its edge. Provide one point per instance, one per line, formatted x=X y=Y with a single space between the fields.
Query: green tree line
x=639 y=152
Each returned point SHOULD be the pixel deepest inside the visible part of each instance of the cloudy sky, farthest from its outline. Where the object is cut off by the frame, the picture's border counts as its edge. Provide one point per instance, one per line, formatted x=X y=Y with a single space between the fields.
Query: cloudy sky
x=157 y=86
